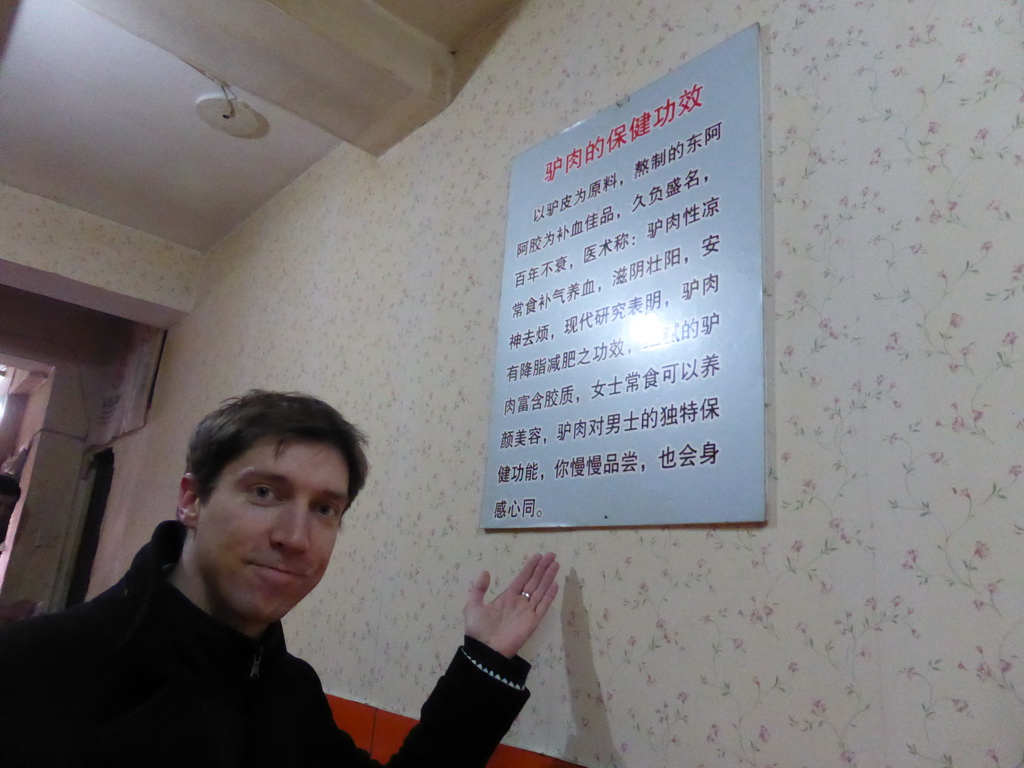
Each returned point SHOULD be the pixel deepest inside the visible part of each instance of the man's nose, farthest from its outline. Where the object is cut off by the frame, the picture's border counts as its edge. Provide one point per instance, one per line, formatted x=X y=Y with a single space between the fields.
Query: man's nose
x=291 y=528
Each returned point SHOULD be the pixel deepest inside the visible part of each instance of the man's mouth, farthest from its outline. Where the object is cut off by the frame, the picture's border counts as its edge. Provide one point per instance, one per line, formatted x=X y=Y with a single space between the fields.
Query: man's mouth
x=279 y=571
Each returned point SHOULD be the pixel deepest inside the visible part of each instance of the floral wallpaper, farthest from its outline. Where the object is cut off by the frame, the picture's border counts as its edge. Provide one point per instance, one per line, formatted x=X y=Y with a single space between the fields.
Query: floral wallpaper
x=53 y=238
x=878 y=618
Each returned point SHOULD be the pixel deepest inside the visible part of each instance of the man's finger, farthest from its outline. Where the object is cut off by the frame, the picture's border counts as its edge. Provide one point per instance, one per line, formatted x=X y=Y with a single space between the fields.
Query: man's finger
x=518 y=584
x=546 y=599
x=547 y=588
x=544 y=569
x=479 y=588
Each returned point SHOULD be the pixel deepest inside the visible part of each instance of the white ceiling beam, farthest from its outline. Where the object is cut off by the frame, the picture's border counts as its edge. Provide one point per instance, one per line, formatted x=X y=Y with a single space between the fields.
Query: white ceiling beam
x=348 y=66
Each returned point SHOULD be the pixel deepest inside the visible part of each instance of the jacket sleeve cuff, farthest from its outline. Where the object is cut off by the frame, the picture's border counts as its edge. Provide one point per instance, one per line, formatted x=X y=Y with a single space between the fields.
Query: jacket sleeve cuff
x=512 y=672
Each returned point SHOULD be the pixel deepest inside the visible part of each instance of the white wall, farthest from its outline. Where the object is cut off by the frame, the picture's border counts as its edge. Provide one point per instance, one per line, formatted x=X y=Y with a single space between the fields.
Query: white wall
x=879 y=618
x=64 y=253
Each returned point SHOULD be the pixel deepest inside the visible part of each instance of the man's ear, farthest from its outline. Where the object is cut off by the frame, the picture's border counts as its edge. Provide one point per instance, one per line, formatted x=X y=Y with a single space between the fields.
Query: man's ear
x=188 y=501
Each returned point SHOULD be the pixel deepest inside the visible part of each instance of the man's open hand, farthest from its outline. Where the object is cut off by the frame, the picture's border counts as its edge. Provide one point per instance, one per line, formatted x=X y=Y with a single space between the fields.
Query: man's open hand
x=507 y=622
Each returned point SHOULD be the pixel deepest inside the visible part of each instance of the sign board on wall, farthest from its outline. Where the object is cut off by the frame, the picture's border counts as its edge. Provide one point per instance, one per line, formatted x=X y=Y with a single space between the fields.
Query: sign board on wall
x=629 y=379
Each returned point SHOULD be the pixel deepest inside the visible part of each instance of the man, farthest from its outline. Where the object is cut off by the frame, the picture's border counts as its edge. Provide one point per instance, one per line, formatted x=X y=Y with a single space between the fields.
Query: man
x=10 y=492
x=183 y=662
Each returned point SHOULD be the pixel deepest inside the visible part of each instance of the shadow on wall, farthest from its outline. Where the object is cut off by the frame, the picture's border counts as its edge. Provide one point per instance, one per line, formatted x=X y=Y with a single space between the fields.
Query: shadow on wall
x=592 y=736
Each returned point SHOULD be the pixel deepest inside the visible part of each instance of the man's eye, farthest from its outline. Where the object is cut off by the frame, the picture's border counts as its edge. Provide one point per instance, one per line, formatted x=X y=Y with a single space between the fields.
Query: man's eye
x=262 y=492
x=328 y=510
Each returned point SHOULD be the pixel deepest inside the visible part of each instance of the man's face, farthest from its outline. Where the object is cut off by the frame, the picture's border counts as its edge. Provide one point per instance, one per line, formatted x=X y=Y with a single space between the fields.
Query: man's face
x=263 y=538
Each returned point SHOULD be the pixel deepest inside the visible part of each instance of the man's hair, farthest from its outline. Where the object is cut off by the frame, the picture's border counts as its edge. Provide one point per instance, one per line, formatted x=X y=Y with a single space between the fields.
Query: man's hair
x=257 y=416
x=9 y=487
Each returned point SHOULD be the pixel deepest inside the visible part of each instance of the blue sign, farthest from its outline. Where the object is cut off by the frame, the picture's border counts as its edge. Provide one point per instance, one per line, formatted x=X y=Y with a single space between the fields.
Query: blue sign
x=629 y=375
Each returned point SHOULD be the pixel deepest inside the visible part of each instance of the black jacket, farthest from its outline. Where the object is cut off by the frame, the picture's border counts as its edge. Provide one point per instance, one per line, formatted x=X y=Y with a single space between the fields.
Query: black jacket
x=140 y=676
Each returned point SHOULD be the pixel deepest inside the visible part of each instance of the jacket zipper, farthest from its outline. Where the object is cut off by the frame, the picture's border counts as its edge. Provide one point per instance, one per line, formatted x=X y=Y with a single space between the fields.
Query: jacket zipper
x=254 y=672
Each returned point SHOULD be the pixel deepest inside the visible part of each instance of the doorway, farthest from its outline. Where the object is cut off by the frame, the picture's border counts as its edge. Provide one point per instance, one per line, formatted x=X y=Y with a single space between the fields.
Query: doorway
x=102 y=471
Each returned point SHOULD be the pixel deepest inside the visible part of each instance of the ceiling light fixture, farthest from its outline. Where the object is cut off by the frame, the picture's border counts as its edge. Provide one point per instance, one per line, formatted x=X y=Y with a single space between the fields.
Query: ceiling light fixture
x=225 y=113
x=230 y=116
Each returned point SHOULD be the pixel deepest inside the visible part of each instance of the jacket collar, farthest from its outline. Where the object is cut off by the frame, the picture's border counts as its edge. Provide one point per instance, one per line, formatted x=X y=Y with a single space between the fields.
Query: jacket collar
x=165 y=620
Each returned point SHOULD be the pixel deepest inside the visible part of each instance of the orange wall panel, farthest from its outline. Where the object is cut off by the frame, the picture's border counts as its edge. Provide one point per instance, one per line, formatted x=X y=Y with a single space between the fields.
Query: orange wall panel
x=356 y=719
x=382 y=733
x=389 y=733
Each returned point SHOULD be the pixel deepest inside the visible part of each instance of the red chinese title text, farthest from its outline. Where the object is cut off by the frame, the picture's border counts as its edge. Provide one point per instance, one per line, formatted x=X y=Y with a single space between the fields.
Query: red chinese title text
x=623 y=134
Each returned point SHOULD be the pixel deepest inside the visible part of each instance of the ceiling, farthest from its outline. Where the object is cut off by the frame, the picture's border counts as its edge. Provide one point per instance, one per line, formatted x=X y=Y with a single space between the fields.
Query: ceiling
x=98 y=97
